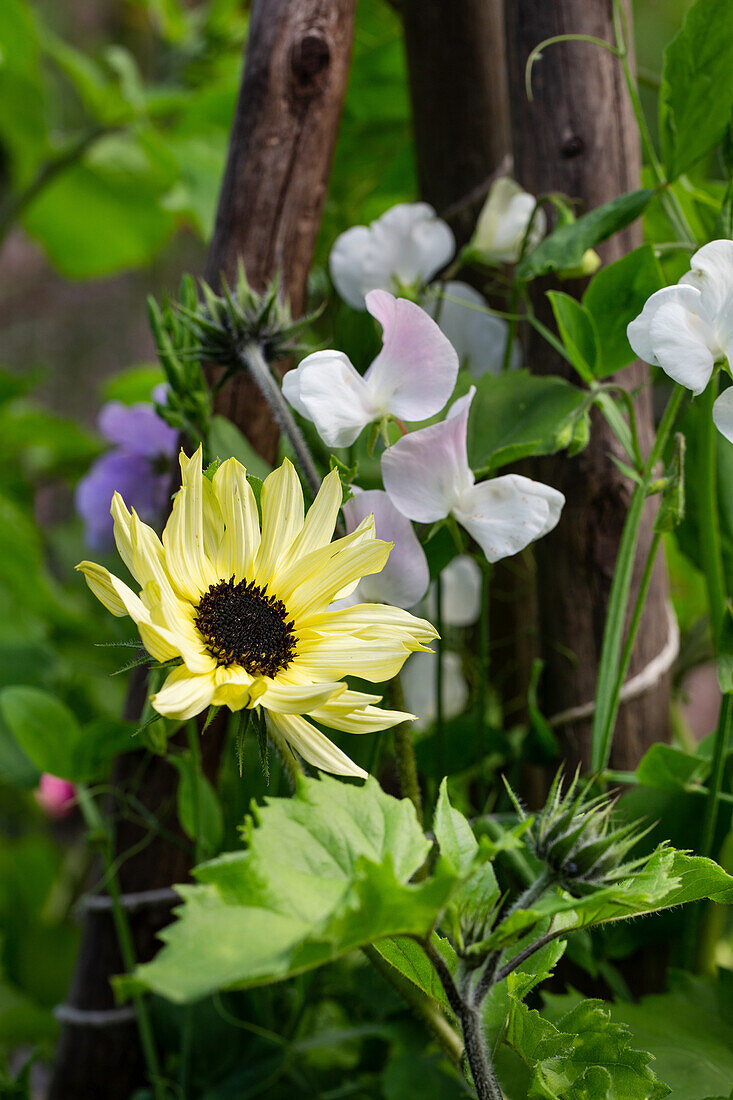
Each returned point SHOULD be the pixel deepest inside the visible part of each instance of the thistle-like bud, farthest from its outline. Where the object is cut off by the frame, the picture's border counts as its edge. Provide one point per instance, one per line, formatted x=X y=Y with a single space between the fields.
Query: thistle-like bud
x=223 y=324
x=578 y=838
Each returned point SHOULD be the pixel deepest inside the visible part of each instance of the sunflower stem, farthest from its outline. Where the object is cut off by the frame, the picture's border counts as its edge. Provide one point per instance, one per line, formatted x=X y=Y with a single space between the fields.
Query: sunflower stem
x=252 y=358
x=100 y=833
x=290 y=762
x=421 y=1004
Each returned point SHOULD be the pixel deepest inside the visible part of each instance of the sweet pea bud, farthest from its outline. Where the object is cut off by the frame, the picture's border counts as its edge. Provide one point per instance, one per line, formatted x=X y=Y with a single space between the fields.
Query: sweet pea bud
x=589 y=264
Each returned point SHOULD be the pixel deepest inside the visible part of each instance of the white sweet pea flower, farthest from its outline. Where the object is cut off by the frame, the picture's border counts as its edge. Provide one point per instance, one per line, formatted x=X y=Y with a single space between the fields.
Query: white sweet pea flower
x=428 y=478
x=419 y=683
x=478 y=336
x=460 y=593
x=403 y=248
x=412 y=377
x=685 y=329
x=404 y=579
x=503 y=221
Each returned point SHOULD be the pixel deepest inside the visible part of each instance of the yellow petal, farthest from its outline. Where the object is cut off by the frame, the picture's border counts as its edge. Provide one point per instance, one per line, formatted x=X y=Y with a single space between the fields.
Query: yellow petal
x=121 y=600
x=184 y=538
x=314 y=746
x=364 y=720
x=282 y=519
x=372 y=659
x=184 y=694
x=121 y=520
x=298 y=698
x=319 y=522
x=371 y=620
x=311 y=585
x=242 y=524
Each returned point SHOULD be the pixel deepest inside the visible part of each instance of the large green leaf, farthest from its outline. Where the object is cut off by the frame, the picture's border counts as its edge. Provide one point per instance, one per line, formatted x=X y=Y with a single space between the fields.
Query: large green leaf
x=578 y=331
x=696 y=94
x=50 y=736
x=584 y=1056
x=325 y=872
x=565 y=246
x=517 y=414
x=105 y=213
x=615 y=297
x=22 y=103
x=689 y=1030
x=199 y=809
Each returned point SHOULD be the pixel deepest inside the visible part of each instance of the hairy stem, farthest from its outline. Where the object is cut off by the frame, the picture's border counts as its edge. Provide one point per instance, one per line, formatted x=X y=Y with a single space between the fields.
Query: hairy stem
x=405 y=754
x=424 y=1006
x=255 y=363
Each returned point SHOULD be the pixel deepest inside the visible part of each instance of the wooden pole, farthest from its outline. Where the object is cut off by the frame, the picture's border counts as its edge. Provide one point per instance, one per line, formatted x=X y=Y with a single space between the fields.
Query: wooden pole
x=579 y=136
x=272 y=196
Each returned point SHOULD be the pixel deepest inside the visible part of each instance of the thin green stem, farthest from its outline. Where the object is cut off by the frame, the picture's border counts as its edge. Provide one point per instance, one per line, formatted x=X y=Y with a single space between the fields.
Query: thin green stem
x=405 y=754
x=99 y=833
x=633 y=628
x=602 y=732
x=192 y=734
x=710 y=545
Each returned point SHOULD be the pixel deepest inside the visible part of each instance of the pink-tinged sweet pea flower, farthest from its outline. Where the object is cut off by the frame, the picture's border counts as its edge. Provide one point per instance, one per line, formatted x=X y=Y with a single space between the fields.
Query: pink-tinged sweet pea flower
x=686 y=329
x=412 y=377
x=404 y=579
x=403 y=248
x=428 y=478
x=55 y=796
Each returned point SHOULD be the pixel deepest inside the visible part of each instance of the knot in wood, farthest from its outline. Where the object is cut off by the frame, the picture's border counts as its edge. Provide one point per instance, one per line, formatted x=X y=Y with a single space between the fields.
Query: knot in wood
x=310 y=58
x=572 y=145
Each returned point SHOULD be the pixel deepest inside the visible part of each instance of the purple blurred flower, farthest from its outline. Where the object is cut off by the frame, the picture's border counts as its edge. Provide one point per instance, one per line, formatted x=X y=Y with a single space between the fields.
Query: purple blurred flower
x=137 y=467
x=55 y=796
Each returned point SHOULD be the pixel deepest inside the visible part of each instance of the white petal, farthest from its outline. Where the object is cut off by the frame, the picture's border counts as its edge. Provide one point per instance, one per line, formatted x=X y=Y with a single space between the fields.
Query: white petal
x=405 y=577
x=683 y=343
x=328 y=390
x=349 y=258
x=723 y=414
x=478 y=336
x=461 y=588
x=427 y=472
x=313 y=746
x=407 y=245
x=712 y=274
x=507 y=513
x=669 y=323
x=419 y=684
x=415 y=373
x=503 y=222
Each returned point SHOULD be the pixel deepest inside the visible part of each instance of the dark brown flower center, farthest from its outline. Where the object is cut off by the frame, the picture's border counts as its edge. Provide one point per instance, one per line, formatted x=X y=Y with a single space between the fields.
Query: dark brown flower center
x=242 y=625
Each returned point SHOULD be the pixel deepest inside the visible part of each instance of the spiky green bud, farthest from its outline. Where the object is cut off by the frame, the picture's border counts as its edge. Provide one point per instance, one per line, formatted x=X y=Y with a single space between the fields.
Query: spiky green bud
x=579 y=839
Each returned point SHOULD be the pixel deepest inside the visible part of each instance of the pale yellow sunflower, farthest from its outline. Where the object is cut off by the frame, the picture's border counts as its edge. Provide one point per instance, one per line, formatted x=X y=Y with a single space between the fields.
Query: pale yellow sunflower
x=249 y=613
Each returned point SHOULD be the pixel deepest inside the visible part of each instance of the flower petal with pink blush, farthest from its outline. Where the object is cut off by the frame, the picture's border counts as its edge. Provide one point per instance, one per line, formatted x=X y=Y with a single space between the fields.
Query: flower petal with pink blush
x=508 y=513
x=415 y=373
x=327 y=389
x=404 y=579
x=426 y=472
